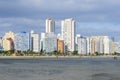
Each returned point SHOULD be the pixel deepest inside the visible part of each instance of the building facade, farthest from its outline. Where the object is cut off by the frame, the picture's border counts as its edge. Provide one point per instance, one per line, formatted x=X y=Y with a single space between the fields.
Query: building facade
x=1 y=42
x=48 y=42
x=35 y=42
x=82 y=45
x=101 y=45
x=8 y=41
x=50 y=25
x=92 y=45
x=117 y=47
x=76 y=41
x=68 y=34
x=88 y=45
x=22 y=41
x=106 y=45
x=60 y=45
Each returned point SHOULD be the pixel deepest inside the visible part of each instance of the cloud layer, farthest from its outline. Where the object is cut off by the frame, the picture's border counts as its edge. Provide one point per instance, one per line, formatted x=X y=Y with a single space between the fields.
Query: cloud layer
x=92 y=16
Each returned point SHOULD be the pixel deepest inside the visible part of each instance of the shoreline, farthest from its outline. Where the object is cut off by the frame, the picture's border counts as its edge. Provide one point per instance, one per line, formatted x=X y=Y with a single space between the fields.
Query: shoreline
x=50 y=57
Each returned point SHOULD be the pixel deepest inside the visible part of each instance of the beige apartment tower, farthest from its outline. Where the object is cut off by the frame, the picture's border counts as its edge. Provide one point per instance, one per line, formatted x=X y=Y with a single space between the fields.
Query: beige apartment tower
x=8 y=41
x=60 y=45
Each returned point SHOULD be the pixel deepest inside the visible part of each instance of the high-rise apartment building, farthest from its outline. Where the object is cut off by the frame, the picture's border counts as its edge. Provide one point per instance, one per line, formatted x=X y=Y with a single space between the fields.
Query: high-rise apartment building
x=68 y=34
x=112 y=45
x=48 y=42
x=106 y=45
x=117 y=47
x=22 y=41
x=88 y=45
x=8 y=41
x=82 y=45
x=1 y=43
x=35 y=41
x=100 y=44
x=60 y=45
x=76 y=41
x=76 y=38
x=92 y=45
x=50 y=25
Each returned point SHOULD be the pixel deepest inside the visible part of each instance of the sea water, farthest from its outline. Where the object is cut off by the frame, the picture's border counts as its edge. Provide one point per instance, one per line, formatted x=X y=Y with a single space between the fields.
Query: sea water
x=60 y=69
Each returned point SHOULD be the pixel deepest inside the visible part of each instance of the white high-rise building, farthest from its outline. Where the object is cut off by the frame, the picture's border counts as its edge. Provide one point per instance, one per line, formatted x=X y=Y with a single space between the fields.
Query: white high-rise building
x=97 y=45
x=68 y=34
x=76 y=38
x=1 y=43
x=112 y=48
x=76 y=41
x=106 y=45
x=117 y=47
x=82 y=45
x=22 y=41
x=50 y=25
x=101 y=45
x=48 y=42
x=88 y=45
x=35 y=42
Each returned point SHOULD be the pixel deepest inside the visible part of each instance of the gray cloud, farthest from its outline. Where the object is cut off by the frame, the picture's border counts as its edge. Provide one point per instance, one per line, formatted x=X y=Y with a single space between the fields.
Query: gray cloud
x=19 y=15
x=21 y=24
x=97 y=9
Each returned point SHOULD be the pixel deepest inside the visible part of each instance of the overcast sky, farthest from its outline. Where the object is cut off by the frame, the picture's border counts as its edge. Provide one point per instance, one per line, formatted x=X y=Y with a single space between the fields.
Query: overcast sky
x=93 y=17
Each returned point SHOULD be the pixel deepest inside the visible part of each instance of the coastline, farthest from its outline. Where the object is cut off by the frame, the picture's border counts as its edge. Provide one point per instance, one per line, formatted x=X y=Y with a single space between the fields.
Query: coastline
x=50 y=57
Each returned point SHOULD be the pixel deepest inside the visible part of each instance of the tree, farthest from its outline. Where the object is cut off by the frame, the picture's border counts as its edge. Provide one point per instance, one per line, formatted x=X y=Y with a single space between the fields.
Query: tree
x=116 y=53
x=5 y=53
x=41 y=52
x=10 y=52
x=59 y=52
x=96 y=53
x=55 y=52
x=1 y=52
x=75 y=53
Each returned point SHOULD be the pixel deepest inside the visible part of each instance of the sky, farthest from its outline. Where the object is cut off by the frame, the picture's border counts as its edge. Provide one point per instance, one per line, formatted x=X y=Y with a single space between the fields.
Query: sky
x=93 y=17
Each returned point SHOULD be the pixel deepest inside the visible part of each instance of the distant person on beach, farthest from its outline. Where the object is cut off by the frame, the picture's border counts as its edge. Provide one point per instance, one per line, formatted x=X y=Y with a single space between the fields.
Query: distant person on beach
x=115 y=57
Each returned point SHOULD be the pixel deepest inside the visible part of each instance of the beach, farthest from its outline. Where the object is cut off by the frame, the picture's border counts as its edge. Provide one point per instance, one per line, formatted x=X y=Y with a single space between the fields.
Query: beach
x=39 y=57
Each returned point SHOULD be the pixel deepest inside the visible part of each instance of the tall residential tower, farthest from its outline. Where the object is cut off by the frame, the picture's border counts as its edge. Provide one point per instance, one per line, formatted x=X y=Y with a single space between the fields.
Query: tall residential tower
x=22 y=41
x=68 y=34
x=35 y=41
x=8 y=41
x=50 y=25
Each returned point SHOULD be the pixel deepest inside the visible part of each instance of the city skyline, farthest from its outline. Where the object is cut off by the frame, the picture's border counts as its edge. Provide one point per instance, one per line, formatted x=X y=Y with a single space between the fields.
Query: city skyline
x=68 y=41
x=91 y=16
